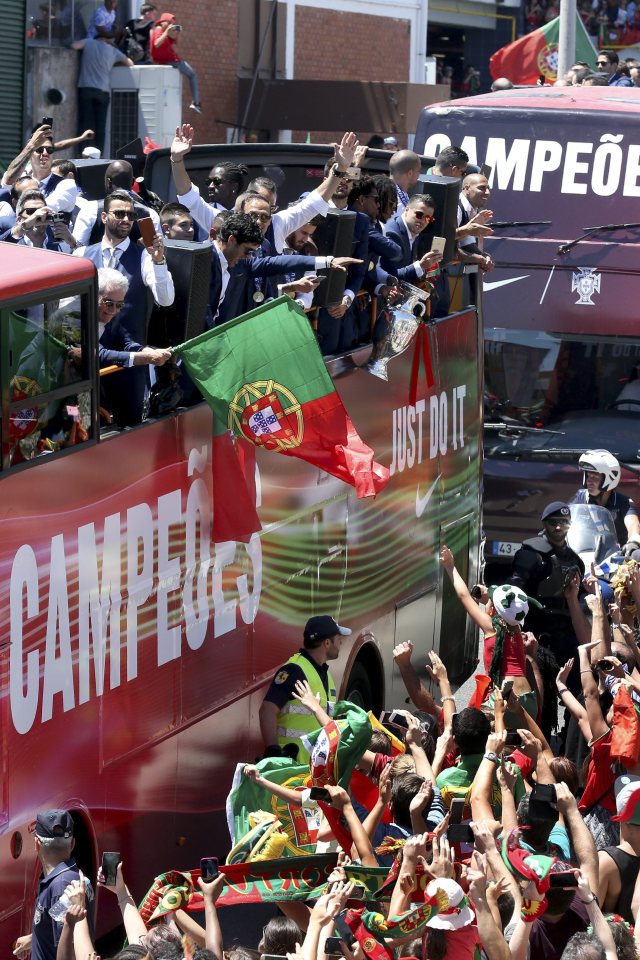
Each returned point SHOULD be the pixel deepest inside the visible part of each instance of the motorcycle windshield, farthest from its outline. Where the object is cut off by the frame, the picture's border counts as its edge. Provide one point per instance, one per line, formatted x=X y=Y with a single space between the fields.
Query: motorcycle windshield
x=592 y=527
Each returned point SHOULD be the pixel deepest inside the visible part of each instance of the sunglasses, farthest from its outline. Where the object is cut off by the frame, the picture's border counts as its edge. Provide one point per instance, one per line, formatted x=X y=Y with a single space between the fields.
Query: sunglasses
x=262 y=217
x=31 y=210
x=603 y=63
x=41 y=150
x=216 y=181
x=124 y=214
x=373 y=196
x=116 y=304
x=421 y=215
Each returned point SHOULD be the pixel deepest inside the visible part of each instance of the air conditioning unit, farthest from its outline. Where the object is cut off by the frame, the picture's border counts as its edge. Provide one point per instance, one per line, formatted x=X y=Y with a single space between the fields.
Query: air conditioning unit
x=145 y=102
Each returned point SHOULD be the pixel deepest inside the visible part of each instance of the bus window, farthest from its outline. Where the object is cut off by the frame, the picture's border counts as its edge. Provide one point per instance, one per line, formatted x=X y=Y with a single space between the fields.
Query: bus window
x=565 y=389
x=48 y=404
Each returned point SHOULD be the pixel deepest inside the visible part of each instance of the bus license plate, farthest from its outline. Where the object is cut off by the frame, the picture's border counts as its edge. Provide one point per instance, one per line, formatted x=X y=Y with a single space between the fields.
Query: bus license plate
x=502 y=548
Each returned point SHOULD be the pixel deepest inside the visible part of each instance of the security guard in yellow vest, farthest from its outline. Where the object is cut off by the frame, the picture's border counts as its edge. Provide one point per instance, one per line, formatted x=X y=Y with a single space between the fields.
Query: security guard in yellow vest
x=283 y=719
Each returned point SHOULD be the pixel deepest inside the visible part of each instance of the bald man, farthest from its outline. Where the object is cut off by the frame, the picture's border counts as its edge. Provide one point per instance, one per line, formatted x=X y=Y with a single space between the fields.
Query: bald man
x=89 y=227
x=473 y=198
x=404 y=170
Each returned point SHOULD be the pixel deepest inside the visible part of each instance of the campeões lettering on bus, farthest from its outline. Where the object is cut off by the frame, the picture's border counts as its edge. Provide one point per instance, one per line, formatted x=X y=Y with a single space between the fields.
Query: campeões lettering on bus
x=410 y=433
x=521 y=165
x=97 y=583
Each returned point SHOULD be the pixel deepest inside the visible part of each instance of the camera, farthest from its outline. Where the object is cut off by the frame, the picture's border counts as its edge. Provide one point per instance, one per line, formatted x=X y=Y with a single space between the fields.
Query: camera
x=177 y=26
x=62 y=217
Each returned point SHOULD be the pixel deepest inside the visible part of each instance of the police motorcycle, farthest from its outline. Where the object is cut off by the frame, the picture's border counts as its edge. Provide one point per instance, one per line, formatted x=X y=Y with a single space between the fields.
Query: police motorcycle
x=592 y=535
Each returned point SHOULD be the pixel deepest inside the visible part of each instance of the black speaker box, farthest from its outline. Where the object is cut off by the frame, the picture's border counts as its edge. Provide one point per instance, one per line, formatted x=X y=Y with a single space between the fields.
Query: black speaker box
x=446 y=193
x=190 y=266
x=91 y=177
x=333 y=237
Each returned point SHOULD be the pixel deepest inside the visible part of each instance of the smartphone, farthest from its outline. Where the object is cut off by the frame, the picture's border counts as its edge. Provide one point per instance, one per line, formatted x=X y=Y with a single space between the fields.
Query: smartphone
x=513 y=739
x=319 y=793
x=109 y=866
x=209 y=868
x=563 y=880
x=46 y=122
x=438 y=244
x=460 y=833
x=506 y=689
x=358 y=892
x=147 y=230
x=486 y=170
x=354 y=173
x=544 y=792
x=456 y=810
x=606 y=665
x=332 y=945
x=314 y=278
x=393 y=718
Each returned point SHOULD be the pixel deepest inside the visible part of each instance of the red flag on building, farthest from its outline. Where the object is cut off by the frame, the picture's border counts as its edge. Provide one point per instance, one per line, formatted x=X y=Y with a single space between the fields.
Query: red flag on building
x=525 y=60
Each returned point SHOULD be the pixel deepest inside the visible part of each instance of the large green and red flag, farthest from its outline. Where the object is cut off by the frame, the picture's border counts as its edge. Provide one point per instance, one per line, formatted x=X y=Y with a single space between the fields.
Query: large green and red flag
x=263 y=376
x=536 y=54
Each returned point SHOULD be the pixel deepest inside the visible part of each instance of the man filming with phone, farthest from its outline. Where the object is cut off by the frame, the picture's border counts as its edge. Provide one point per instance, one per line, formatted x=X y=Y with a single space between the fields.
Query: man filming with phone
x=164 y=37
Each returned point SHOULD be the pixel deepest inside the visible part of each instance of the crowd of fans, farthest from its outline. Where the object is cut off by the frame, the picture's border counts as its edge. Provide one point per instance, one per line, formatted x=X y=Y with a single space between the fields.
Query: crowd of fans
x=608 y=22
x=495 y=842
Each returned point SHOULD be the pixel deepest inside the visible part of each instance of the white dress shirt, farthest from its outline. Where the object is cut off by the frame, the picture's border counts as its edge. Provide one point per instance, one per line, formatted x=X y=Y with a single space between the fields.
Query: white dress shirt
x=155 y=276
x=284 y=222
x=63 y=197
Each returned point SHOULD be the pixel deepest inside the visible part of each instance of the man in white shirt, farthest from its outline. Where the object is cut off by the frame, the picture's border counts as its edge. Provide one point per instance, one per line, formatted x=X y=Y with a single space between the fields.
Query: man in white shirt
x=473 y=199
x=284 y=222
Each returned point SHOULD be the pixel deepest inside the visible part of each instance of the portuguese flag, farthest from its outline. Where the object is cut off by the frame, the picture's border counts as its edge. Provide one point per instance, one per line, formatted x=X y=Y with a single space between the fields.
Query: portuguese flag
x=524 y=60
x=263 y=376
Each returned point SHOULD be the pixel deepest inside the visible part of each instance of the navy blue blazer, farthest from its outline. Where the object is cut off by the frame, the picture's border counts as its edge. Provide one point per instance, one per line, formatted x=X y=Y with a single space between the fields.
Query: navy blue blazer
x=115 y=345
x=403 y=269
x=238 y=295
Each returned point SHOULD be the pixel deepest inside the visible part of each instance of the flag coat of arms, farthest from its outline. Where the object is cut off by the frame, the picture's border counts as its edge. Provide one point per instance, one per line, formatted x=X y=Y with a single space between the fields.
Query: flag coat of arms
x=263 y=376
x=525 y=60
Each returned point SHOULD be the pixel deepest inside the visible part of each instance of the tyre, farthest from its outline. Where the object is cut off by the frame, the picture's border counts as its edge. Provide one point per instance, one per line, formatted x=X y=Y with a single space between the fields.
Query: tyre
x=359 y=689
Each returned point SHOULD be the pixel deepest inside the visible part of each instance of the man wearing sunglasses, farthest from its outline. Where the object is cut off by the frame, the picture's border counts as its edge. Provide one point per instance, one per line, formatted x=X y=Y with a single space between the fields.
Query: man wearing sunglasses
x=33 y=223
x=608 y=61
x=403 y=228
x=38 y=153
x=147 y=272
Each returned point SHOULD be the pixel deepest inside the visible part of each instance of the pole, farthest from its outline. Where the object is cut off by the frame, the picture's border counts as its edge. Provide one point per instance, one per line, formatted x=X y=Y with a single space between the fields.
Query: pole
x=567 y=38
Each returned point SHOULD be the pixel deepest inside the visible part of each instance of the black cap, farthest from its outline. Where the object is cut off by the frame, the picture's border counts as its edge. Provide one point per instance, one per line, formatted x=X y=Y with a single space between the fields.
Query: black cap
x=556 y=510
x=323 y=628
x=54 y=823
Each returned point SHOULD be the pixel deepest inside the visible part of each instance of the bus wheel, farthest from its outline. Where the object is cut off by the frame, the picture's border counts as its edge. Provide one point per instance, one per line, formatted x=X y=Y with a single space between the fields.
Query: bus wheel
x=359 y=689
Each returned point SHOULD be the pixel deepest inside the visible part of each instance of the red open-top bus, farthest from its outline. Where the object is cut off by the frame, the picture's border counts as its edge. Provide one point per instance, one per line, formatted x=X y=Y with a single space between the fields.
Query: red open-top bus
x=134 y=651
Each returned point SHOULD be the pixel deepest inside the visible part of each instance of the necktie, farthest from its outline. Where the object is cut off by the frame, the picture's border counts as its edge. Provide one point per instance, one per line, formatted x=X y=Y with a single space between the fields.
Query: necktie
x=113 y=260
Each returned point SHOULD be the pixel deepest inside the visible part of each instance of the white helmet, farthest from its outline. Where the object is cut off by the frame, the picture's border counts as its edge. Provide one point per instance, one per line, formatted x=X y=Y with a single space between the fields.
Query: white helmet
x=600 y=461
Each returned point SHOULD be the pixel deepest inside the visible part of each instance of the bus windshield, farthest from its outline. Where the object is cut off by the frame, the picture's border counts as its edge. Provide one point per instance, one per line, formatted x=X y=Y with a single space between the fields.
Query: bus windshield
x=557 y=392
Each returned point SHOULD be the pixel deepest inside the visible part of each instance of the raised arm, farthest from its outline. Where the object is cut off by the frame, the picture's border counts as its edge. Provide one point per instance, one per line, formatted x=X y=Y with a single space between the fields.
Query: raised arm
x=133 y=923
x=581 y=838
x=341 y=800
x=481 y=788
x=305 y=695
x=213 y=933
x=17 y=165
x=438 y=672
x=479 y=617
x=180 y=147
x=493 y=943
x=572 y=704
x=596 y=720
x=418 y=693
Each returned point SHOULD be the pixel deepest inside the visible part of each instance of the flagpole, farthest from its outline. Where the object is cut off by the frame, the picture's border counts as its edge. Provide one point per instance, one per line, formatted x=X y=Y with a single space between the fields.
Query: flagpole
x=567 y=38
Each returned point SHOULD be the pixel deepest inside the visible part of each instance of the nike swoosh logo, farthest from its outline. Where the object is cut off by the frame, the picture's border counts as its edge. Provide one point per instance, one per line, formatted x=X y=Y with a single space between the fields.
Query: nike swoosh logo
x=421 y=502
x=493 y=285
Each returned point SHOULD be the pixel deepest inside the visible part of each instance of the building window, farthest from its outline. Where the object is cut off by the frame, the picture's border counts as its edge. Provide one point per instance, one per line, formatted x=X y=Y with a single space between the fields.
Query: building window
x=56 y=23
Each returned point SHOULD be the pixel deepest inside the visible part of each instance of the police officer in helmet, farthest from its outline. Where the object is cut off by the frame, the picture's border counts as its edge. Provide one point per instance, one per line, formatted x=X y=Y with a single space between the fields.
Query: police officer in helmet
x=600 y=477
x=283 y=719
x=543 y=568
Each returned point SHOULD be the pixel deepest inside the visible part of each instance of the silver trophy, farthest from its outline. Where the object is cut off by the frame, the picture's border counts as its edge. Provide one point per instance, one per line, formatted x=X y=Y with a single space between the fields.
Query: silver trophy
x=406 y=307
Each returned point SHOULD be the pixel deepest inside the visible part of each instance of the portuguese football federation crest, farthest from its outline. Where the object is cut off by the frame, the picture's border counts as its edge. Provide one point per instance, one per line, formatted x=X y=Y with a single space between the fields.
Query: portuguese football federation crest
x=586 y=282
x=267 y=414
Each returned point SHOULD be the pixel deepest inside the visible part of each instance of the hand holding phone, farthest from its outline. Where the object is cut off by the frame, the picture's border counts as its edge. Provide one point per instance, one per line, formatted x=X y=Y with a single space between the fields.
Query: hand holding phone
x=438 y=244
x=319 y=793
x=209 y=869
x=147 y=230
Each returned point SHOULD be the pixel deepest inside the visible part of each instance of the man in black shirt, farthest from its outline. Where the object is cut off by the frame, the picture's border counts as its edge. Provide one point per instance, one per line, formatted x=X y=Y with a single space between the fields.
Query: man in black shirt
x=139 y=30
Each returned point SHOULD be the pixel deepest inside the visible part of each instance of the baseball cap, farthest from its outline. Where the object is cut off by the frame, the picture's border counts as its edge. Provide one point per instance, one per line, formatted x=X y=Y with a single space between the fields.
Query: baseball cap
x=391 y=141
x=54 y=823
x=323 y=628
x=627 y=790
x=558 y=509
